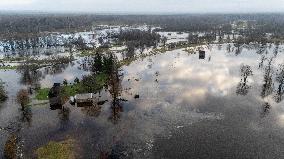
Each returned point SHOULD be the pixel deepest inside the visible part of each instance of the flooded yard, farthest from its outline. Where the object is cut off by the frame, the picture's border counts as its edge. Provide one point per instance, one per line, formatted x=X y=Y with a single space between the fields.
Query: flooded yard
x=173 y=104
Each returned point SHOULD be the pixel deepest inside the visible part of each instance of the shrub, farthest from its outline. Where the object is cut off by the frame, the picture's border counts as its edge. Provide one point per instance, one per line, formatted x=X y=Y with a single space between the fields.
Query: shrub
x=65 y=82
x=76 y=80
x=11 y=147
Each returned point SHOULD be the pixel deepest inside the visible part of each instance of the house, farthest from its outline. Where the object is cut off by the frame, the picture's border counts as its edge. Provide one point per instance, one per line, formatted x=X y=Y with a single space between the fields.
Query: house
x=85 y=100
x=54 y=96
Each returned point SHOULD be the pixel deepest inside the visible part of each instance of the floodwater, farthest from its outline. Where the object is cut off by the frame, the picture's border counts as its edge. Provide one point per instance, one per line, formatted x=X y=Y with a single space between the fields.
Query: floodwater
x=186 y=106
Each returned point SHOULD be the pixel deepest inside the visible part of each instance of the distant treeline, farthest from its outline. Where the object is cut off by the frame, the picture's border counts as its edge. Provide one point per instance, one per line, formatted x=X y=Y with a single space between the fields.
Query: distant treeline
x=138 y=38
x=17 y=25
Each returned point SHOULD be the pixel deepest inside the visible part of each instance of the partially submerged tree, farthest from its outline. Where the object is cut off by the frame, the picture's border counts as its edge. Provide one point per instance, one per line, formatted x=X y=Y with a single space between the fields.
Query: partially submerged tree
x=245 y=72
x=164 y=40
x=280 y=80
x=80 y=43
x=76 y=80
x=243 y=87
x=10 y=148
x=65 y=82
x=267 y=87
x=138 y=39
x=3 y=93
x=192 y=39
x=23 y=98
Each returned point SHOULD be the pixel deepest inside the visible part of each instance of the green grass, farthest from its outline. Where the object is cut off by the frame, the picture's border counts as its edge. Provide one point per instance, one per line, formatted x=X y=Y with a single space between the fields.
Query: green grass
x=127 y=61
x=87 y=53
x=161 y=50
x=73 y=89
x=117 y=45
x=101 y=79
x=42 y=94
x=57 y=150
x=69 y=90
x=12 y=59
x=8 y=67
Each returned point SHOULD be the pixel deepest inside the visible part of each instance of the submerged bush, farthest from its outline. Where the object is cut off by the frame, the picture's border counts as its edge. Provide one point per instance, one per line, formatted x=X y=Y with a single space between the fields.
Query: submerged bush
x=10 y=149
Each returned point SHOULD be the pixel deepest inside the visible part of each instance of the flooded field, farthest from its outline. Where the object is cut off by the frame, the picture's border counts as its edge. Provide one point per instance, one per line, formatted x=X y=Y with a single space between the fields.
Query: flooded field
x=224 y=103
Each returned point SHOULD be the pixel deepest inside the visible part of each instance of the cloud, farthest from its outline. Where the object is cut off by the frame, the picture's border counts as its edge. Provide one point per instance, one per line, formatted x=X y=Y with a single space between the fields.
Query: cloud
x=15 y=2
x=146 y=5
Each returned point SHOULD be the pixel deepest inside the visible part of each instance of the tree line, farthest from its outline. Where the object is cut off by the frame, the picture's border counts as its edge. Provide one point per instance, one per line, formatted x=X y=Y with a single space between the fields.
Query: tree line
x=19 y=25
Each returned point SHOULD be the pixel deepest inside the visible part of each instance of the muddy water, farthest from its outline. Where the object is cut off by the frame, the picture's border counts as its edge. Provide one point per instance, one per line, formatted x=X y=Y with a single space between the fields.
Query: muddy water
x=188 y=107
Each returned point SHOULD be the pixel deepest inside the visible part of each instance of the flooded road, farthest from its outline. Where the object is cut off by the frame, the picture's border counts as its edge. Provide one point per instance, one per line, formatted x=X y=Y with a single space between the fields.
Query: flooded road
x=226 y=104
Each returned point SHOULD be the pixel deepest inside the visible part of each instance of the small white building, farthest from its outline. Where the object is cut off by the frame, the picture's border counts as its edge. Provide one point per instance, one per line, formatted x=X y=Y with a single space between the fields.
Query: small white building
x=86 y=99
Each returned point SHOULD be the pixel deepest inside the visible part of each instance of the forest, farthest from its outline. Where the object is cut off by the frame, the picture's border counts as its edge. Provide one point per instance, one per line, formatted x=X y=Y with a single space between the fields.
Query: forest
x=17 y=25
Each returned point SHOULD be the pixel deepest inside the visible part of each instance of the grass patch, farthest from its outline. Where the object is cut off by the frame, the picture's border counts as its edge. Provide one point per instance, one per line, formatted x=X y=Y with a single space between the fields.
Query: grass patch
x=127 y=61
x=42 y=94
x=117 y=45
x=161 y=50
x=101 y=79
x=92 y=52
x=57 y=150
x=13 y=59
x=71 y=90
x=8 y=67
x=87 y=53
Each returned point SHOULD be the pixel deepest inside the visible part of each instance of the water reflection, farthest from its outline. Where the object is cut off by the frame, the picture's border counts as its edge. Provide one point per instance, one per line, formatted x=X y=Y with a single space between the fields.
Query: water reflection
x=26 y=116
x=263 y=58
x=265 y=109
x=30 y=75
x=276 y=49
x=238 y=49
x=64 y=114
x=229 y=48
x=93 y=111
x=14 y=144
x=181 y=100
x=38 y=44
x=55 y=69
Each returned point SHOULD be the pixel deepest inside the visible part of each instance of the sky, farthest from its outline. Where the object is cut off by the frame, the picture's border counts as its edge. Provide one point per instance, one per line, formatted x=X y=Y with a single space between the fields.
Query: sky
x=144 y=6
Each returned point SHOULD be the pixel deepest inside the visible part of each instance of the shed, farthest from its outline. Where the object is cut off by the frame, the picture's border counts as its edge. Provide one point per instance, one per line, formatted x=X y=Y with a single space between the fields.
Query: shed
x=201 y=54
